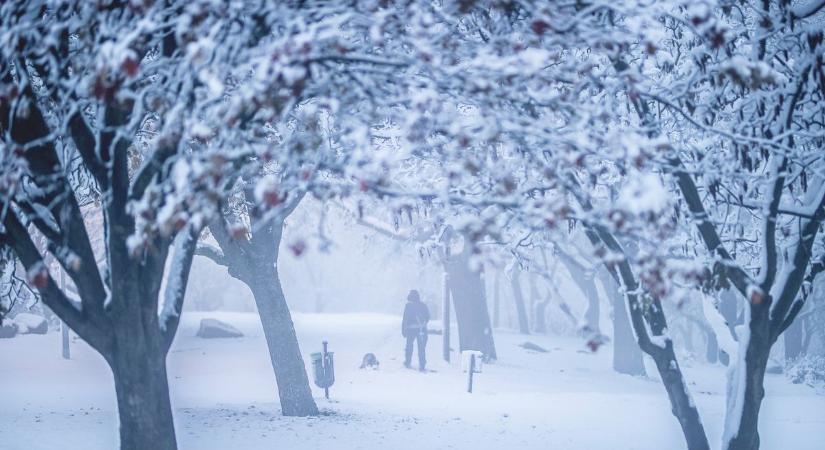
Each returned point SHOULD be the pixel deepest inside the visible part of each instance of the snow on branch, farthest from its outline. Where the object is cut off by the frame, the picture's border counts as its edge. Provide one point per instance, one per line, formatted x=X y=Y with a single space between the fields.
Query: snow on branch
x=177 y=279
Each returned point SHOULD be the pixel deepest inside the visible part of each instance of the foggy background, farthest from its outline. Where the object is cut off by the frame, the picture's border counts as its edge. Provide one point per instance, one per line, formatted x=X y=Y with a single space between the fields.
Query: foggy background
x=355 y=269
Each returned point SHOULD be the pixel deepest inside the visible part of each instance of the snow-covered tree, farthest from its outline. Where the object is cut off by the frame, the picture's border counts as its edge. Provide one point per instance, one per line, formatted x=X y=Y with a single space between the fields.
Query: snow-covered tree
x=675 y=144
x=83 y=88
x=519 y=124
x=735 y=104
x=151 y=110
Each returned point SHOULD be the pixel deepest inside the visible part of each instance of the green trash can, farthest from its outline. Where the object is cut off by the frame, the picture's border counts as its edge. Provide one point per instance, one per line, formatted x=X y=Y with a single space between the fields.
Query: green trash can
x=323 y=369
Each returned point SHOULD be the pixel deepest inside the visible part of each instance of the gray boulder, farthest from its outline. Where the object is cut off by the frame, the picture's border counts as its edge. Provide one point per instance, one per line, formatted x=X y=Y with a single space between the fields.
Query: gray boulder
x=214 y=328
x=533 y=347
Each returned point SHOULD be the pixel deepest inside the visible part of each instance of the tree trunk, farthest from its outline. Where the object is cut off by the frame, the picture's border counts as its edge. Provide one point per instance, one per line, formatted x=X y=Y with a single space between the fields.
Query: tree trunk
x=653 y=318
x=712 y=353
x=680 y=401
x=627 y=356
x=591 y=316
x=540 y=322
x=534 y=299
x=586 y=284
x=744 y=435
x=139 y=369
x=518 y=297
x=474 y=330
x=279 y=331
x=794 y=340
x=728 y=309
x=496 y=299
x=810 y=332
x=747 y=435
x=254 y=262
x=445 y=317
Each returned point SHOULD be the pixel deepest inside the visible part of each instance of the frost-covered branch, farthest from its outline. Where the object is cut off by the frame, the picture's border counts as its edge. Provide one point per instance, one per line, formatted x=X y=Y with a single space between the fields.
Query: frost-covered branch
x=15 y=236
x=213 y=253
x=177 y=279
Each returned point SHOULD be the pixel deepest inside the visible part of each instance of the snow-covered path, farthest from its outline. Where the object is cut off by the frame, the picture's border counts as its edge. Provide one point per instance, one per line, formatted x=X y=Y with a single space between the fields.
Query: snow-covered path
x=224 y=396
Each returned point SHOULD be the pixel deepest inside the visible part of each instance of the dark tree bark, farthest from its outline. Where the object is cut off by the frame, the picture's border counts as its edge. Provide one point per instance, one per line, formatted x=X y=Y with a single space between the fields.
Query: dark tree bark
x=285 y=354
x=467 y=293
x=134 y=341
x=770 y=317
x=139 y=368
x=122 y=322
x=770 y=308
x=652 y=316
x=756 y=360
x=254 y=262
x=474 y=329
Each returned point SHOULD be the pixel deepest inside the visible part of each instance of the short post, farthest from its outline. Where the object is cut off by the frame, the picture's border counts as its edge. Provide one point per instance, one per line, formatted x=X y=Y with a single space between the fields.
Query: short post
x=445 y=318
x=472 y=362
x=470 y=373
x=64 y=330
x=326 y=368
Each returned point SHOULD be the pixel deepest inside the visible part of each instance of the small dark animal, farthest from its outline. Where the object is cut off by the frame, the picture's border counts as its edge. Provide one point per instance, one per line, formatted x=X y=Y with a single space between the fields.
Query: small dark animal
x=369 y=361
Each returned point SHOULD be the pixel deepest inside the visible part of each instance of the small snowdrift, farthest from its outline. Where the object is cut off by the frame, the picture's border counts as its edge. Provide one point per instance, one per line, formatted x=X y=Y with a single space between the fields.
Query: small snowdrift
x=224 y=395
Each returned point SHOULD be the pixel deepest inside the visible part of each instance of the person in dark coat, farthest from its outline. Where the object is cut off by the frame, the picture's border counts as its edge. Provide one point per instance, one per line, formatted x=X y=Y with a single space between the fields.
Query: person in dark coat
x=414 y=328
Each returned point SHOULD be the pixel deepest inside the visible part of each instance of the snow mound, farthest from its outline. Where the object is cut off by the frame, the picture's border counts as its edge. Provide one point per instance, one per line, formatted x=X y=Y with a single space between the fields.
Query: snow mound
x=28 y=323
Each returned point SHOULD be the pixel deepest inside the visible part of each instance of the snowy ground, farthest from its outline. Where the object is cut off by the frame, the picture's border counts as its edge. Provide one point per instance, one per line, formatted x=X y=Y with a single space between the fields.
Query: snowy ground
x=224 y=396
